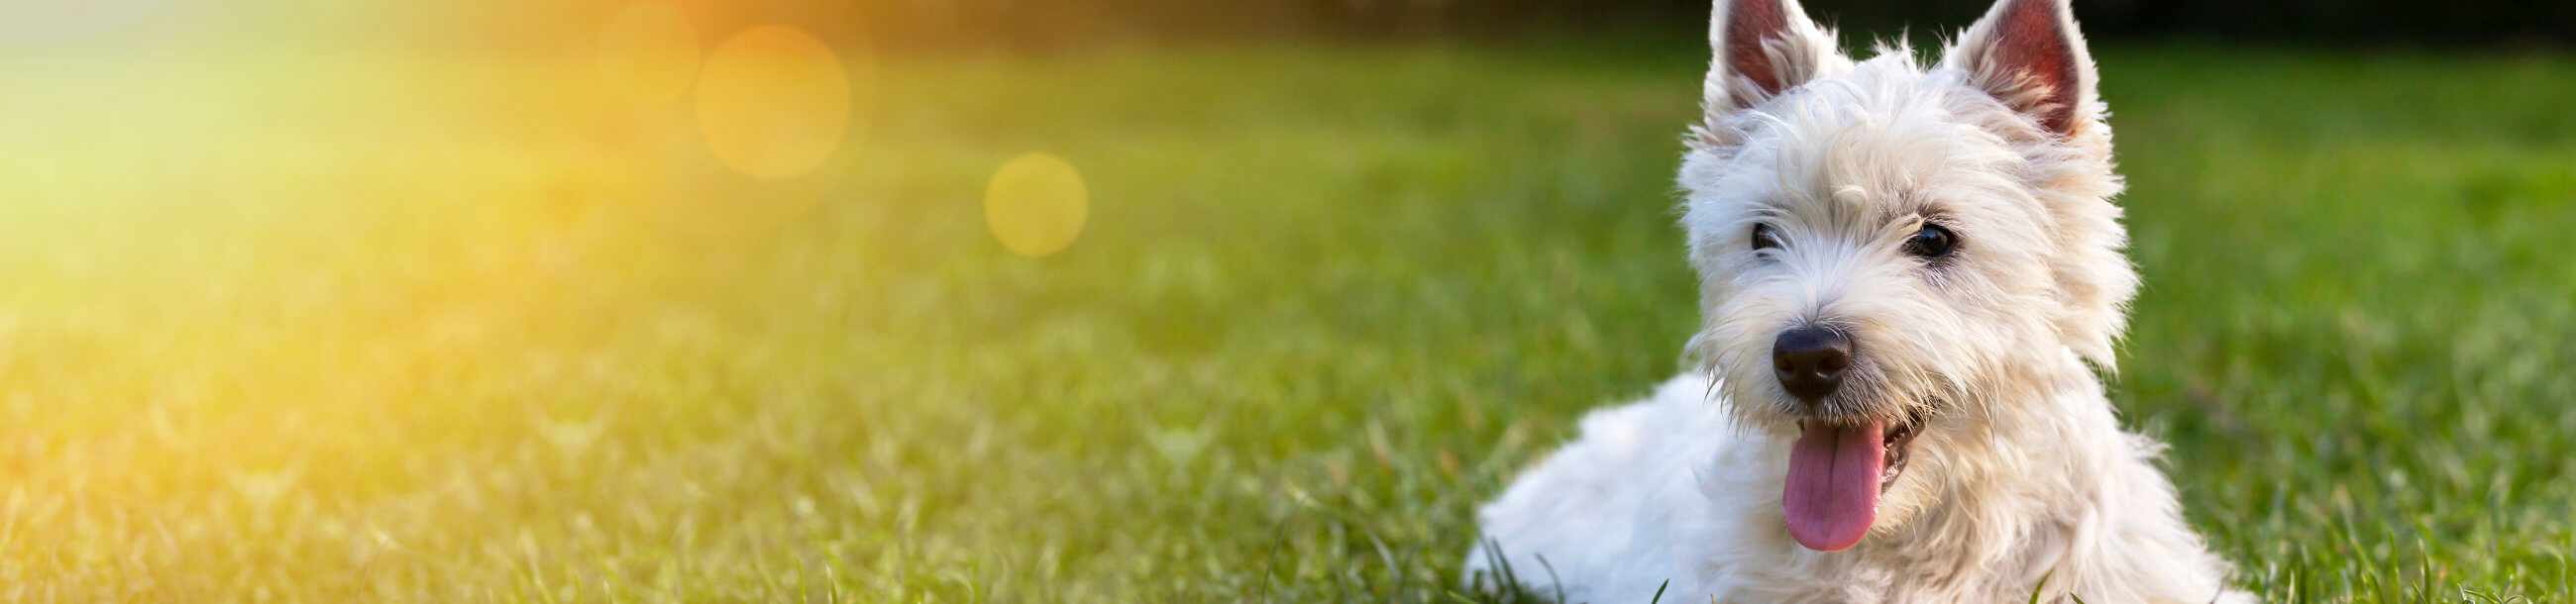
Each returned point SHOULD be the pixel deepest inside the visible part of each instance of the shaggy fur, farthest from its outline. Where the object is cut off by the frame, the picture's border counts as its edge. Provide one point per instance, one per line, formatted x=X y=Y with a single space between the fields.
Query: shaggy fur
x=2019 y=470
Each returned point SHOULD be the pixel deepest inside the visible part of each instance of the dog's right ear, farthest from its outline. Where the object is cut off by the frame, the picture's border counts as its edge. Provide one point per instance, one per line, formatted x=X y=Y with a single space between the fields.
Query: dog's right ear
x=1762 y=47
x=2028 y=54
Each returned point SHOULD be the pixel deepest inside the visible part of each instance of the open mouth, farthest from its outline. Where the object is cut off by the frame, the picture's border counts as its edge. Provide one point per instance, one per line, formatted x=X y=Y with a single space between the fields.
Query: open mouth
x=1836 y=473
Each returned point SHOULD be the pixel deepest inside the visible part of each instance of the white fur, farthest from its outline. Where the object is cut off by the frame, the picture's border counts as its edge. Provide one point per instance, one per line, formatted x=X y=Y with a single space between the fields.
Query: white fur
x=2022 y=473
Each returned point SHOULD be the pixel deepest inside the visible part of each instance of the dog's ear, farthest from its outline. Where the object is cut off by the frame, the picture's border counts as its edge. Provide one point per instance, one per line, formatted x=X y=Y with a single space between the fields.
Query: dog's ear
x=1762 y=47
x=2028 y=54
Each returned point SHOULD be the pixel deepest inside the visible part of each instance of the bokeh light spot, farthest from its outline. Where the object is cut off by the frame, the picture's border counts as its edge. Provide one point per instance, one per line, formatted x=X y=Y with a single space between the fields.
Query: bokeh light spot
x=648 y=52
x=773 y=102
x=1036 y=204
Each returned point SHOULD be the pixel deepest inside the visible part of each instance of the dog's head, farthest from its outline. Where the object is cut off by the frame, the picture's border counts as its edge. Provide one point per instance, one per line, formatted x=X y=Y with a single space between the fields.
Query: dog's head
x=1894 y=257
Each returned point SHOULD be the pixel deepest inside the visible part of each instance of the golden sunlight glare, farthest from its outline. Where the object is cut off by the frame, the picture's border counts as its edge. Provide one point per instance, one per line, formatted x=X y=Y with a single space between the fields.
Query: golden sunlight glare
x=68 y=20
x=648 y=52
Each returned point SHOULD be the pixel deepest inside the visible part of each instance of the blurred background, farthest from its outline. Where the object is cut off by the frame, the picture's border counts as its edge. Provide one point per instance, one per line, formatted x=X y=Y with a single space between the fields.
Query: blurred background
x=1142 y=300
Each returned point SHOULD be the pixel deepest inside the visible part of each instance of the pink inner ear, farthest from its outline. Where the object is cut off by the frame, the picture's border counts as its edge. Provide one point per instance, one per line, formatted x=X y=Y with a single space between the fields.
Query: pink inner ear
x=2031 y=40
x=1749 y=24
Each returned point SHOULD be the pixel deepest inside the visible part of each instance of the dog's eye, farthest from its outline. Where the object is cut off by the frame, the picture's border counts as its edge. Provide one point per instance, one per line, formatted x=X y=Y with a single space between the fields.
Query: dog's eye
x=1764 y=238
x=1931 y=242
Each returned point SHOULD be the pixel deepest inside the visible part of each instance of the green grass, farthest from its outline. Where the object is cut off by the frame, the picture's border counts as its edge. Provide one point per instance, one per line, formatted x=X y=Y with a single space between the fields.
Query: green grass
x=459 y=328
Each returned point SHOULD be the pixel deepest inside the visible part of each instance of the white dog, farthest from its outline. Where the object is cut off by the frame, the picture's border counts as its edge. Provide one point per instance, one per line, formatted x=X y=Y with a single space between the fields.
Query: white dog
x=1909 y=276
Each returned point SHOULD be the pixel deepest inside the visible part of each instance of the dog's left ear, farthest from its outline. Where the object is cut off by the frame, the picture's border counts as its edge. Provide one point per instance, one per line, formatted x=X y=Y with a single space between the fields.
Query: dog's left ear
x=2028 y=54
x=1760 y=48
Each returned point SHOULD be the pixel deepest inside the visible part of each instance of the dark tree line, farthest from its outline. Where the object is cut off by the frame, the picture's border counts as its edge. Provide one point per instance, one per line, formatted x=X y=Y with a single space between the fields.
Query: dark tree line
x=1041 y=24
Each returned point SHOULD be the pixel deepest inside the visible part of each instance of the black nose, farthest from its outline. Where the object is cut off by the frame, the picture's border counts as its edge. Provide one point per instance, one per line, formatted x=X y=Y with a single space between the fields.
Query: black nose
x=1810 y=361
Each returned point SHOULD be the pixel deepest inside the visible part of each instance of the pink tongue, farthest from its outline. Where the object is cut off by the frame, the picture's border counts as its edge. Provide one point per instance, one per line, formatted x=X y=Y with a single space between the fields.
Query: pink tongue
x=1832 y=491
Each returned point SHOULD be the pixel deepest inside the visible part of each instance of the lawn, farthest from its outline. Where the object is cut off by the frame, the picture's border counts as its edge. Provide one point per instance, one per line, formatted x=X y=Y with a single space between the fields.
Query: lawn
x=445 y=327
